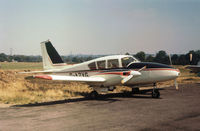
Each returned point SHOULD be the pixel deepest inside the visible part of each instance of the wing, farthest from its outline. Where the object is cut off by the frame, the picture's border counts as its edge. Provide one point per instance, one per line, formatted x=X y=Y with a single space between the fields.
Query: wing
x=70 y=78
x=194 y=68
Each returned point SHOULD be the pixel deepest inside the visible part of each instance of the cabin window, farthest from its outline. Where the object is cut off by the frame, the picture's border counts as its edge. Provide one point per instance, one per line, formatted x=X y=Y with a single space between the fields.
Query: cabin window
x=126 y=61
x=114 y=63
x=101 y=64
x=92 y=66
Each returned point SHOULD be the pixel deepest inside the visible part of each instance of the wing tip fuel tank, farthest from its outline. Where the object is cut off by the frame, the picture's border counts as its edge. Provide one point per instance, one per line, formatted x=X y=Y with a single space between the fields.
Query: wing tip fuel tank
x=43 y=77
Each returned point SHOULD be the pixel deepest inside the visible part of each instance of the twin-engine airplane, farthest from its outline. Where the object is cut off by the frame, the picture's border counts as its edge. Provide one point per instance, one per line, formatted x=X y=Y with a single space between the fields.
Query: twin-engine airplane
x=103 y=74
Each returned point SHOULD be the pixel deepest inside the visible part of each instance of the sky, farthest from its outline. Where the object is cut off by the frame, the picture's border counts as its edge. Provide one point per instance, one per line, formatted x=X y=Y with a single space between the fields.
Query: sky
x=100 y=26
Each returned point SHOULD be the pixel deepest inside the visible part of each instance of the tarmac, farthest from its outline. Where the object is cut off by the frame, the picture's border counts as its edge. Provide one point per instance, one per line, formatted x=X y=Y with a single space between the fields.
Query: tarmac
x=174 y=110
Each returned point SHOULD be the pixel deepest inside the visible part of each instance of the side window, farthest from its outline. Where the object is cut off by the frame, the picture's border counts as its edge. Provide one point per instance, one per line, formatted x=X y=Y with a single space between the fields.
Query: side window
x=92 y=66
x=114 y=63
x=101 y=64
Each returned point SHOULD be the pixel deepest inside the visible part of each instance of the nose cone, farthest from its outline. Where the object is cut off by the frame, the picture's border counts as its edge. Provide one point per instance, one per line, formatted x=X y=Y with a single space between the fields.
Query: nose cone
x=175 y=73
x=178 y=72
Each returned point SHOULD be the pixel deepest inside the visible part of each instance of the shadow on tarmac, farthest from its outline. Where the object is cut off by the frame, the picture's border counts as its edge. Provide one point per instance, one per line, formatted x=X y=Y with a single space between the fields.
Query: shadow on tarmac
x=111 y=97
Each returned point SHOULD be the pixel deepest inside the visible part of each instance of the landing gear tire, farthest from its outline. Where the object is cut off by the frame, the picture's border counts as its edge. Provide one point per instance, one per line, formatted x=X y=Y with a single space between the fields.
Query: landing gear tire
x=155 y=94
x=135 y=91
x=94 y=95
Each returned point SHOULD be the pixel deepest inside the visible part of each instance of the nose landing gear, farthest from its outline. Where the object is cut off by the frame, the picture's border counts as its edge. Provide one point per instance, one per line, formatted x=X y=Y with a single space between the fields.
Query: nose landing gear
x=155 y=92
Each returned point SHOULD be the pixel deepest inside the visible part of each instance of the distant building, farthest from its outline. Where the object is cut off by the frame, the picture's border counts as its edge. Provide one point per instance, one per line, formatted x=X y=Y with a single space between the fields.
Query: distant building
x=14 y=61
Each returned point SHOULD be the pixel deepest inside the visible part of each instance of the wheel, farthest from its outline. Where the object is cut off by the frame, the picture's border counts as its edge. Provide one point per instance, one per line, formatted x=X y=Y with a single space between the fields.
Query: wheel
x=93 y=95
x=135 y=90
x=155 y=94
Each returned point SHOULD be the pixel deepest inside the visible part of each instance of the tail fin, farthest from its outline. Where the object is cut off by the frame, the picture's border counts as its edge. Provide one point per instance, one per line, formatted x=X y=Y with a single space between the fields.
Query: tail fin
x=50 y=56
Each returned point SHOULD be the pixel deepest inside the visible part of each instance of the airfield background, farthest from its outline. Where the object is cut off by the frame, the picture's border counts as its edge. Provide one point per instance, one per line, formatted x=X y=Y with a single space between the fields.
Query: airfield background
x=160 y=57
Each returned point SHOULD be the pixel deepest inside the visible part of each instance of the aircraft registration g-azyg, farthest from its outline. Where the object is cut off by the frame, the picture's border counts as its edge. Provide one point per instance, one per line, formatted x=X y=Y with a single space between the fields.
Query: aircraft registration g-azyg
x=105 y=73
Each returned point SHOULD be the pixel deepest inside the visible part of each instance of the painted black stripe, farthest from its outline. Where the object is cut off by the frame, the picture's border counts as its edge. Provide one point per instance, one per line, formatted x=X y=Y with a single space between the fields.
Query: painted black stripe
x=139 y=65
x=53 y=54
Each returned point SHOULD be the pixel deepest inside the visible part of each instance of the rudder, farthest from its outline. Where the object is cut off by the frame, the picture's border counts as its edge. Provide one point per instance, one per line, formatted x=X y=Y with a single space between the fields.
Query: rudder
x=50 y=56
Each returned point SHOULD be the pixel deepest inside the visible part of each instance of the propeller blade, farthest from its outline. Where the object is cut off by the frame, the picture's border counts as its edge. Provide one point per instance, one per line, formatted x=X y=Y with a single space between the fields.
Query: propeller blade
x=176 y=84
x=170 y=60
x=142 y=68
x=126 y=79
x=132 y=74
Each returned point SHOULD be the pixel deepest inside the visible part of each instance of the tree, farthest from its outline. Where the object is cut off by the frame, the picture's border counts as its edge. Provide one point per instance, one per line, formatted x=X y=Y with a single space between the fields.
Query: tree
x=198 y=55
x=182 y=60
x=175 y=59
x=149 y=58
x=3 y=57
x=127 y=53
x=161 y=57
x=140 y=55
x=195 y=57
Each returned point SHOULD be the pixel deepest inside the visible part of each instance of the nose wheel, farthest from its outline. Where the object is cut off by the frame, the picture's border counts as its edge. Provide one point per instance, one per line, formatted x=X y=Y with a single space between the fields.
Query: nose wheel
x=155 y=92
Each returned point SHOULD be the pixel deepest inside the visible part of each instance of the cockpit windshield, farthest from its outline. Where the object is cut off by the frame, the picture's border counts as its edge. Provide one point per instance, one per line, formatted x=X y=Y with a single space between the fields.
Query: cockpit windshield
x=127 y=60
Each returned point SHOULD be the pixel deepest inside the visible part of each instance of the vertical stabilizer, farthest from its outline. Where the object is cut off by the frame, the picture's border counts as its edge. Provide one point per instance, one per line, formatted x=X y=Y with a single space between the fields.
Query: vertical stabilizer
x=50 y=56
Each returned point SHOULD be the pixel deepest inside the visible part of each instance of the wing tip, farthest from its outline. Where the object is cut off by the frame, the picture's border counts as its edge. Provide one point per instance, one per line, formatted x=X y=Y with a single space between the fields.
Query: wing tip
x=47 y=77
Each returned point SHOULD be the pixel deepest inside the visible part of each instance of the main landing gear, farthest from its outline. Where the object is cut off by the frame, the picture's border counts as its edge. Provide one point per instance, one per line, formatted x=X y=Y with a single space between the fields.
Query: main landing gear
x=94 y=94
x=96 y=90
x=135 y=91
x=154 y=92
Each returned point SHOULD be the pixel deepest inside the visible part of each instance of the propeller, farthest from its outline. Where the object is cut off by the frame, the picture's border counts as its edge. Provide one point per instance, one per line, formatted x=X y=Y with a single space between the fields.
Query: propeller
x=132 y=74
x=170 y=60
x=176 y=84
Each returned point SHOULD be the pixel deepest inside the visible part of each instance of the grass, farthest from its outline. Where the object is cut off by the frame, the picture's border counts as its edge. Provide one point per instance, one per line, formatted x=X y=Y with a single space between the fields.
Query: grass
x=14 y=89
x=20 y=65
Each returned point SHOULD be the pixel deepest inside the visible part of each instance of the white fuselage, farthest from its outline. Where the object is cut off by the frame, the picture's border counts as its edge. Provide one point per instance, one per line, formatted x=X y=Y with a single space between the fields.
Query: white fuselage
x=154 y=72
x=114 y=78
